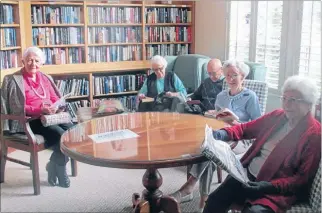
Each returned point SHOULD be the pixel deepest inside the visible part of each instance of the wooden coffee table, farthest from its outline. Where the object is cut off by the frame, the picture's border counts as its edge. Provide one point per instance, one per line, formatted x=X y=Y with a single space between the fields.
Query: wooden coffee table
x=164 y=140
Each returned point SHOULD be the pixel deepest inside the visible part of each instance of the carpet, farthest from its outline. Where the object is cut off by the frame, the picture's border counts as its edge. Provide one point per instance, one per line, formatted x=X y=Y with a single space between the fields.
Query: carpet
x=95 y=189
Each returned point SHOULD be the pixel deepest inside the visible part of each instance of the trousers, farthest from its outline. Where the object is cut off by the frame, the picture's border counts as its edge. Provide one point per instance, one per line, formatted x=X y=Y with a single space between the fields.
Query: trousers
x=52 y=135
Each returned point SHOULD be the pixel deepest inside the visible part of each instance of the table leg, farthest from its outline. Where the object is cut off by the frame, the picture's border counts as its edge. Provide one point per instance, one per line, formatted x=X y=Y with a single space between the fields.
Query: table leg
x=152 y=180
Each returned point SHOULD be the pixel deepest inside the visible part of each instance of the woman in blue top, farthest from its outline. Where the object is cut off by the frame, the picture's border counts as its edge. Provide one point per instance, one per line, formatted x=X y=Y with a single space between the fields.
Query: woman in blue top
x=244 y=103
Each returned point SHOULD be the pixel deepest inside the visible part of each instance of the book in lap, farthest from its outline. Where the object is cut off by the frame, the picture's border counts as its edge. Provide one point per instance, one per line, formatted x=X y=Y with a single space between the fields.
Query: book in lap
x=224 y=115
x=221 y=154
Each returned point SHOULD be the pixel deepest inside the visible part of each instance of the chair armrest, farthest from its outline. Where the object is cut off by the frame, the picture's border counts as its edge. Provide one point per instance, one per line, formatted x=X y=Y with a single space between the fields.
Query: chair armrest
x=24 y=120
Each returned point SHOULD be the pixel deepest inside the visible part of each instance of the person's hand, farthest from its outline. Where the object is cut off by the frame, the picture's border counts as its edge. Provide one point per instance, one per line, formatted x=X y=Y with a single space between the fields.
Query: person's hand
x=189 y=99
x=141 y=96
x=171 y=94
x=47 y=110
x=258 y=189
x=220 y=135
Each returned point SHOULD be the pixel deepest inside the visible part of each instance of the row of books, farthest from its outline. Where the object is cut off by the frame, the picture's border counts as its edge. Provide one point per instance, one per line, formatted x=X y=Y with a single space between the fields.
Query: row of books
x=101 y=35
x=167 y=15
x=55 y=15
x=116 y=84
x=8 y=37
x=72 y=107
x=74 y=87
x=128 y=102
x=57 y=35
x=111 y=15
x=167 y=49
x=6 y=14
x=168 y=34
x=8 y=59
x=70 y=55
x=114 y=53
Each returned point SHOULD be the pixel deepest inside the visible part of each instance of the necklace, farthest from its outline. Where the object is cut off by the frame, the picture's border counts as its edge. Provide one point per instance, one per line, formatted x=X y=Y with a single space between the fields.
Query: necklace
x=35 y=91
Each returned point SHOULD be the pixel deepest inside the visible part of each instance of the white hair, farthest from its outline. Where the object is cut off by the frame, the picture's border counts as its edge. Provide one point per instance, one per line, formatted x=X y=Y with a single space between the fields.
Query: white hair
x=35 y=50
x=241 y=66
x=304 y=85
x=158 y=59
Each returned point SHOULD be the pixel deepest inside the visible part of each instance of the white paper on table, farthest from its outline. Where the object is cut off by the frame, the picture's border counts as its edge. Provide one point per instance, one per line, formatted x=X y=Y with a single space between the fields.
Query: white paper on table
x=113 y=135
x=61 y=101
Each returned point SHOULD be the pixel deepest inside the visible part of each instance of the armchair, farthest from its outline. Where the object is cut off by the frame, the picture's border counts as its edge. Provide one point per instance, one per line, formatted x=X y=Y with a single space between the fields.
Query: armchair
x=189 y=68
x=28 y=142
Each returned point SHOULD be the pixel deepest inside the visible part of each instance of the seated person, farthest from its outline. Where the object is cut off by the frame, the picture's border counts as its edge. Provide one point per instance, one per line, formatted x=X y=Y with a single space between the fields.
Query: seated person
x=31 y=92
x=283 y=160
x=161 y=81
x=211 y=86
x=244 y=103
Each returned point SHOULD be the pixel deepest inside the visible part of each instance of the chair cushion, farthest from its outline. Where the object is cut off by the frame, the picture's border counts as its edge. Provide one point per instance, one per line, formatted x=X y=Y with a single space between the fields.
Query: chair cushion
x=22 y=138
x=257 y=71
x=300 y=208
x=315 y=192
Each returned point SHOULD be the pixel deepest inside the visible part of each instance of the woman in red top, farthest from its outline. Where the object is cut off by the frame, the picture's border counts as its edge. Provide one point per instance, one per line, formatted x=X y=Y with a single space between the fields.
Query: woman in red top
x=40 y=94
x=282 y=162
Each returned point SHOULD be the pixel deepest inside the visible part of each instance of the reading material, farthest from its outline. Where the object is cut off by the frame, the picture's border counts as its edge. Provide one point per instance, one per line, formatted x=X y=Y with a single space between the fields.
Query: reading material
x=113 y=136
x=61 y=101
x=147 y=99
x=221 y=154
x=224 y=115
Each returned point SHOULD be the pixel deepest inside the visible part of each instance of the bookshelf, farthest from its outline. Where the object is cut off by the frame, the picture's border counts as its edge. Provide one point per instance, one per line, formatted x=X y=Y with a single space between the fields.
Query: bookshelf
x=89 y=39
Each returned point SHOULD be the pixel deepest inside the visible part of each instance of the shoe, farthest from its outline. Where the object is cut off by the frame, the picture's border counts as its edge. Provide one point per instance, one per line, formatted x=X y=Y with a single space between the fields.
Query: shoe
x=52 y=177
x=181 y=199
x=63 y=179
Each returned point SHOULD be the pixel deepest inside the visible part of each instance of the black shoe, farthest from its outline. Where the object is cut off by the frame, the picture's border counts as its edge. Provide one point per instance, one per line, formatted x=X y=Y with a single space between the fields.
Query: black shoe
x=52 y=177
x=63 y=179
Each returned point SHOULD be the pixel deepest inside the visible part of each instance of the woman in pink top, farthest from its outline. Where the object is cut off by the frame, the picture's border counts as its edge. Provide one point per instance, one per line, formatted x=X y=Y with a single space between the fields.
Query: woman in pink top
x=32 y=92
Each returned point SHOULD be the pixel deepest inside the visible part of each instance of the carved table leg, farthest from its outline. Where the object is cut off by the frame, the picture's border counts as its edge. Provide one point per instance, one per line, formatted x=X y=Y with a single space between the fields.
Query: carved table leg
x=152 y=180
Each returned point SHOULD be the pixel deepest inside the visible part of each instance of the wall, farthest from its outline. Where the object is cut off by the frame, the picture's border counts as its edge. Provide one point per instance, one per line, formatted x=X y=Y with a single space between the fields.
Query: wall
x=210 y=36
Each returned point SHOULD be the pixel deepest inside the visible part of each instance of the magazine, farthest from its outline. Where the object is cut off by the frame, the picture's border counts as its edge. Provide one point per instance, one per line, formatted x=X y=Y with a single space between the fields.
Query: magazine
x=221 y=154
x=224 y=115
x=61 y=101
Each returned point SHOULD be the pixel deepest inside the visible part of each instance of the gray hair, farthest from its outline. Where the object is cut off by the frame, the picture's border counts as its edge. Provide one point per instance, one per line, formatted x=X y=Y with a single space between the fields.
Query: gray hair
x=158 y=59
x=35 y=50
x=241 y=66
x=304 y=85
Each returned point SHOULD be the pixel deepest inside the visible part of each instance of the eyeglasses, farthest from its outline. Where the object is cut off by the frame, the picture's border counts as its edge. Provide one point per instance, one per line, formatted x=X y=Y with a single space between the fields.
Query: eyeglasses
x=158 y=69
x=31 y=61
x=291 y=100
x=232 y=77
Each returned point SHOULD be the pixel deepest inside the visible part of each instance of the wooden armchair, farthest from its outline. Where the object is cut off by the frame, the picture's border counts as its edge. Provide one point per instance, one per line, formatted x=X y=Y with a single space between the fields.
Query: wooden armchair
x=28 y=142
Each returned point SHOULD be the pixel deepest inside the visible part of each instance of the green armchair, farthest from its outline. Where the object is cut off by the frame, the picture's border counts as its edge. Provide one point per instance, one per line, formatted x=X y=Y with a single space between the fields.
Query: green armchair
x=189 y=68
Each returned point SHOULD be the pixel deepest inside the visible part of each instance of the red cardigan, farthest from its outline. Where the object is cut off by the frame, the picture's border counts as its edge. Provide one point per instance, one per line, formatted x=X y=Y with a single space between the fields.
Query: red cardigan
x=292 y=164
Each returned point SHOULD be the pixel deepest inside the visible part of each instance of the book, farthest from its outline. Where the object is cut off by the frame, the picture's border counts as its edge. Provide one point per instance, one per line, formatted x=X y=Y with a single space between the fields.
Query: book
x=221 y=154
x=147 y=100
x=223 y=115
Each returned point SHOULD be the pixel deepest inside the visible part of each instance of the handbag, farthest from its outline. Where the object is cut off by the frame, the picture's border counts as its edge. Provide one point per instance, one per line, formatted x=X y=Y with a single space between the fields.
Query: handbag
x=54 y=119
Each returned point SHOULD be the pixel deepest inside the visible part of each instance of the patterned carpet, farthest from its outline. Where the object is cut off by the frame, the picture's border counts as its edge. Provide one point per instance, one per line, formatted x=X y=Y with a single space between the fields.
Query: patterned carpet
x=95 y=189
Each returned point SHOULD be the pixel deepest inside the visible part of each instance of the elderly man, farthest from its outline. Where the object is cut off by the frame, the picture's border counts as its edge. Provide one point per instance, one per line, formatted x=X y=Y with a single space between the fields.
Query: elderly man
x=207 y=92
x=159 y=82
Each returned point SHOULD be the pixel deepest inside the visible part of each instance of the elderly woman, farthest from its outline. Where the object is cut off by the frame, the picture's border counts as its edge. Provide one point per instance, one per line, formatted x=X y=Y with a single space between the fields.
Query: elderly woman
x=244 y=103
x=30 y=92
x=282 y=161
x=161 y=81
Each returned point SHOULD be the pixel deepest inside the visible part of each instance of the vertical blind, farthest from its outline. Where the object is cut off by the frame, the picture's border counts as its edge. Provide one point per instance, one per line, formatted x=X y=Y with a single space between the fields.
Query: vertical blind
x=310 y=53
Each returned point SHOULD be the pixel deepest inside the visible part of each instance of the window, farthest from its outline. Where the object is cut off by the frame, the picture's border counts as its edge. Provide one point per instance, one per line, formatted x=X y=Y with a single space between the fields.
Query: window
x=268 y=38
x=283 y=35
x=310 y=50
x=239 y=30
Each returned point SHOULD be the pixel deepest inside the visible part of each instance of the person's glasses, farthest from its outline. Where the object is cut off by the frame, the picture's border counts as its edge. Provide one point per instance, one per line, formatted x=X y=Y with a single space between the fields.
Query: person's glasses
x=232 y=77
x=31 y=61
x=291 y=100
x=157 y=69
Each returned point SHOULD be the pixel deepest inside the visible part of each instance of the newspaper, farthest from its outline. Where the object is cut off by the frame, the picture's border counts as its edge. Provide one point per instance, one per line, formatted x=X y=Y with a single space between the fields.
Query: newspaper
x=221 y=154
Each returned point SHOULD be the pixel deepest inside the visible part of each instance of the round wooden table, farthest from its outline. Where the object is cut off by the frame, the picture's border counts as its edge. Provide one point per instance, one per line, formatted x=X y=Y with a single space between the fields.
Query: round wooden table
x=161 y=140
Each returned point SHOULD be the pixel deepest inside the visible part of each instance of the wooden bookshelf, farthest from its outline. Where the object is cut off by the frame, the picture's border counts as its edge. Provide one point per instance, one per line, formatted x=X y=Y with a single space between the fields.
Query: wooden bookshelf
x=31 y=17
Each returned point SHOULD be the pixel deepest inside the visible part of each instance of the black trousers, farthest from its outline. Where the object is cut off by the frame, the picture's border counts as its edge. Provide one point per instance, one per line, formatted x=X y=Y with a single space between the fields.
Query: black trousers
x=229 y=192
x=52 y=135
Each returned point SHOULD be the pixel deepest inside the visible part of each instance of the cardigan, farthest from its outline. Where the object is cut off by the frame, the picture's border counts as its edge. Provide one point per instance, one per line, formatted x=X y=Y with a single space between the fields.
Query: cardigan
x=292 y=165
x=13 y=99
x=245 y=104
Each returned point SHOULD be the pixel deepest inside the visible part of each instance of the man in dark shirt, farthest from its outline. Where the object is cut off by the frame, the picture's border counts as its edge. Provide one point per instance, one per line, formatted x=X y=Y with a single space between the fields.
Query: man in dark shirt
x=208 y=90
